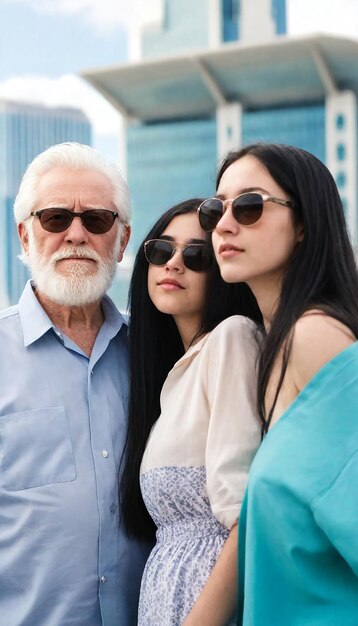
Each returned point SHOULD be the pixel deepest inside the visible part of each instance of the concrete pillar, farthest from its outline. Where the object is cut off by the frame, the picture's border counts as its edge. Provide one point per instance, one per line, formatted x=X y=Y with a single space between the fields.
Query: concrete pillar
x=215 y=23
x=342 y=150
x=256 y=21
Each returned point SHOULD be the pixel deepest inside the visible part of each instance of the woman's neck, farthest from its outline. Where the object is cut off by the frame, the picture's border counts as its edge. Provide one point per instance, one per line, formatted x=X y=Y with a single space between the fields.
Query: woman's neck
x=189 y=330
x=267 y=294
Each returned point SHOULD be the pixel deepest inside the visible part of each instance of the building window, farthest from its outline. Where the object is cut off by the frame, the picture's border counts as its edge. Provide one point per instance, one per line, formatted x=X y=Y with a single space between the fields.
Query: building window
x=341 y=152
x=230 y=13
x=341 y=179
x=340 y=121
x=279 y=15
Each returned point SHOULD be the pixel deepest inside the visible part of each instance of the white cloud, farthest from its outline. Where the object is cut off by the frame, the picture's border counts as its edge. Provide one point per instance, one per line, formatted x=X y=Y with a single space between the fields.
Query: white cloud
x=104 y=15
x=335 y=16
x=339 y=17
x=70 y=90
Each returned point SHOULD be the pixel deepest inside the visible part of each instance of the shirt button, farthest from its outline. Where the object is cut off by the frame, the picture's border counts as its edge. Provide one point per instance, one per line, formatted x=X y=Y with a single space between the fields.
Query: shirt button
x=103 y=579
x=105 y=454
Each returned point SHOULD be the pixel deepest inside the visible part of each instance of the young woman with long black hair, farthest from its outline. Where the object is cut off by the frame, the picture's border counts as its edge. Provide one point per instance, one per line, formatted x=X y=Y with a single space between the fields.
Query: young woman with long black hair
x=278 y=225
x=193 y=428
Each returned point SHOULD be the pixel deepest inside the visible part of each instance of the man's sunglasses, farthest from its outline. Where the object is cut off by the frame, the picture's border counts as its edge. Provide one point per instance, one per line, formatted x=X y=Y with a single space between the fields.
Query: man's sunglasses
x=96 y=221
x=247 y=209
x=196 y=256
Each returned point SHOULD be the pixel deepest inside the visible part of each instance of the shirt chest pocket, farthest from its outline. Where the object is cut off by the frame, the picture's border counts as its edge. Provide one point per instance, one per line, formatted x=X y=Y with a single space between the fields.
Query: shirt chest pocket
x=35 y=449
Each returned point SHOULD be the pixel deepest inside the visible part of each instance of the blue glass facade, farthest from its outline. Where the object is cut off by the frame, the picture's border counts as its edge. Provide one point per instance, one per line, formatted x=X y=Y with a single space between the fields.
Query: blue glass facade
x=230 y=20
x=301 y=126
x=279 y=15
x=25 y=131
x=184 y=27
x=167 y=163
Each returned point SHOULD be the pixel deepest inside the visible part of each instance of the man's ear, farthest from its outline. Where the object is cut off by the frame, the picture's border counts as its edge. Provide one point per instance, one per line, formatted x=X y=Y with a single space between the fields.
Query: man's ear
x=124 y=241
x=23 y=236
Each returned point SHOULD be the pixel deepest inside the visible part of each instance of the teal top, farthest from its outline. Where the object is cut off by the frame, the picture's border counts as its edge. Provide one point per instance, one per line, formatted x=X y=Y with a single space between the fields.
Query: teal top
x=298 y=536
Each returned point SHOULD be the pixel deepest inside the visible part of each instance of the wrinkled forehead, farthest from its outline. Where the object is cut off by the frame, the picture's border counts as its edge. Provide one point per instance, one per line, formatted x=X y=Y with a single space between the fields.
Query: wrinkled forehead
x=71 y=188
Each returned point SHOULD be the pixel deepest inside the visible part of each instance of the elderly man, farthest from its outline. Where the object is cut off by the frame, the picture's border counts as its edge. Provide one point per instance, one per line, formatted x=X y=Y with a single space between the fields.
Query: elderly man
x=63 y=558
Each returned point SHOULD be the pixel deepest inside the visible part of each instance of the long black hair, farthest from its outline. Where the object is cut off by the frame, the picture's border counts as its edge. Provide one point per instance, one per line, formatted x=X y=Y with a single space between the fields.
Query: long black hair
x=155 y=345
x=322 y=273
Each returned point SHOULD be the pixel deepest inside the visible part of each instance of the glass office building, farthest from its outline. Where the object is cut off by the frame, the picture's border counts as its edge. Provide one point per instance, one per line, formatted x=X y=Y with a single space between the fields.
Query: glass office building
x=177 y=159
x=217 y=74
x=186 y=25
x=25 y=131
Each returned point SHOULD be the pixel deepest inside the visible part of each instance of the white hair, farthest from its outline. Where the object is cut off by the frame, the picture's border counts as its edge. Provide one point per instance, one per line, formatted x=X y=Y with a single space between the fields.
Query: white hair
x=73 y=156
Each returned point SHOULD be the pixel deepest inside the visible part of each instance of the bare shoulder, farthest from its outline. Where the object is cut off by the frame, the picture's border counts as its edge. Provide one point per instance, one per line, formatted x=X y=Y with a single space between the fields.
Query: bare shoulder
x=317 y=338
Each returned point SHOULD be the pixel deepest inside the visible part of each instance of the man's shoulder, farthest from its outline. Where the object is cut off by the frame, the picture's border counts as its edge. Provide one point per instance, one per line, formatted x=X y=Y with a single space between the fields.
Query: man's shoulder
x=9 y=312
x=10 y=328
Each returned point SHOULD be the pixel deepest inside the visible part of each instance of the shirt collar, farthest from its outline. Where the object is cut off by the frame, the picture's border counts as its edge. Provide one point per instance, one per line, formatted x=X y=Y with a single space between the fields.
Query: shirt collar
x=192 y=351
x=35 y=322
x=113 y=319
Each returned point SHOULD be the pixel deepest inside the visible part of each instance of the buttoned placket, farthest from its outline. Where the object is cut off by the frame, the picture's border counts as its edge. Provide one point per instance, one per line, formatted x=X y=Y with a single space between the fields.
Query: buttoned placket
x=105 y=470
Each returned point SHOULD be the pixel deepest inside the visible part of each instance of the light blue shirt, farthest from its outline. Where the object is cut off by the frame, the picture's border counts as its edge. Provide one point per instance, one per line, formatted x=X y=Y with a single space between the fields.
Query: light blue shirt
x=63 y=559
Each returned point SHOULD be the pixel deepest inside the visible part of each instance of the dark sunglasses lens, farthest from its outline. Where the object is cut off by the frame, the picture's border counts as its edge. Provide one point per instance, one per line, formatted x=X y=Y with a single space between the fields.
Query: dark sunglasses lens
x=158 y=252
x=210 y=213
x=55 y=220
x=98 y=222
x=58 y=220
x=197 y=258
x=247 y=209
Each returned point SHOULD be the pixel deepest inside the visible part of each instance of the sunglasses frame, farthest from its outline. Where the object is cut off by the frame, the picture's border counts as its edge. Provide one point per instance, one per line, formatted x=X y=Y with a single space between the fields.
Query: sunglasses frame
x=264 y=198
x=72 y=215
x=175 y=248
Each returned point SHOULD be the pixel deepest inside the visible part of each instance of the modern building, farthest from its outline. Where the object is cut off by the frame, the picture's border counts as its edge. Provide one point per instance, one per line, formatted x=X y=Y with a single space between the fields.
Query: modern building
x=25 y=131
x=211 y=75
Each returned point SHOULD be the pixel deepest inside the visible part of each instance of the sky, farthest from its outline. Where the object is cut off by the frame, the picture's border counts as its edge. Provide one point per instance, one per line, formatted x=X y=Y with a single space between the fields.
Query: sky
x=45 y=44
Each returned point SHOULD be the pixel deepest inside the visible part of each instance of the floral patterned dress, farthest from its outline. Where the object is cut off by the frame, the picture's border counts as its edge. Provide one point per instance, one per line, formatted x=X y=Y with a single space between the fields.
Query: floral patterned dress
x=195 y=466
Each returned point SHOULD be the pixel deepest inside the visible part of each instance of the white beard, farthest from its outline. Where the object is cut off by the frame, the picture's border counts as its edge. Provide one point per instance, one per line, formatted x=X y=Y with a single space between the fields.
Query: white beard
x=77 y=287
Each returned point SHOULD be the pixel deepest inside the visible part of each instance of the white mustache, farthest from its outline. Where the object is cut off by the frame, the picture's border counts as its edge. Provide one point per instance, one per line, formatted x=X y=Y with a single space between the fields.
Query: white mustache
x=75 y=251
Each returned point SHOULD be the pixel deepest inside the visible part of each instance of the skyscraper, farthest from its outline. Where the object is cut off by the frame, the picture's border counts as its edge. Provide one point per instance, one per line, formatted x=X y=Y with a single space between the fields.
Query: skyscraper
x=215 y=74
x=25 y=131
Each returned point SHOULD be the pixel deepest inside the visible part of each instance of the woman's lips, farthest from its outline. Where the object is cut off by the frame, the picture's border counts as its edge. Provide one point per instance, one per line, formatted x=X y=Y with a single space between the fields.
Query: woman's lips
x=228 y=250
x=170 y=284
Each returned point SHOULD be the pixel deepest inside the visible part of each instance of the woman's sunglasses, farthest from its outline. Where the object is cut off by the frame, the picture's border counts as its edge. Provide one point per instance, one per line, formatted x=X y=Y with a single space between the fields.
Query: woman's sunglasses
x=247 y=209
x=196 y=256
x=96 y=221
